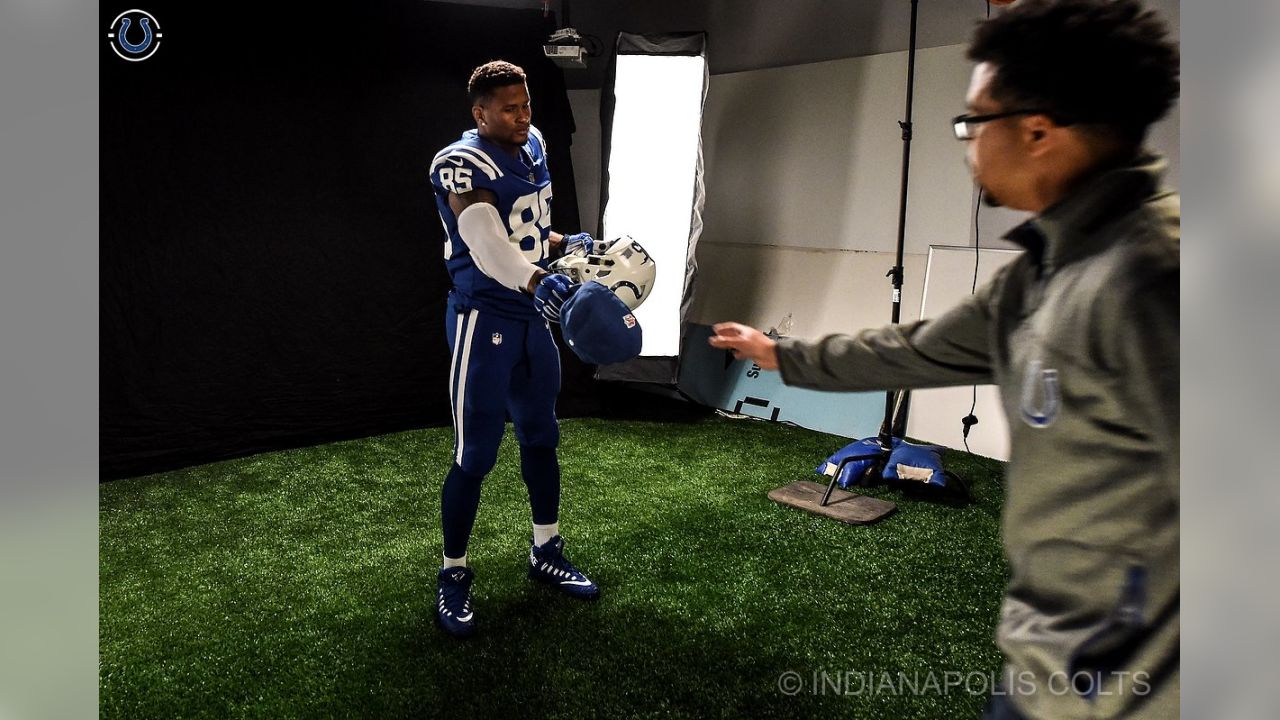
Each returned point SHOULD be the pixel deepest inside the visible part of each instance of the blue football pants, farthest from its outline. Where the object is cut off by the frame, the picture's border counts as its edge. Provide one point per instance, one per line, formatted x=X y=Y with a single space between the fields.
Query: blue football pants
x=500 y=366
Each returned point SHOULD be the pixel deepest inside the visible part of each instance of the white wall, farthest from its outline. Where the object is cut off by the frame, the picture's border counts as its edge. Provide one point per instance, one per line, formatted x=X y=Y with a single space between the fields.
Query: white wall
x=803 y=172
x=823 y=290
x=936 y=414
x=810 y=155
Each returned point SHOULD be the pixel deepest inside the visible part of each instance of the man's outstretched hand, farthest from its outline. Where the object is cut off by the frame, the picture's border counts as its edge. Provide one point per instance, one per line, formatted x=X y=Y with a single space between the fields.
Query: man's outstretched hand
x=746 y=342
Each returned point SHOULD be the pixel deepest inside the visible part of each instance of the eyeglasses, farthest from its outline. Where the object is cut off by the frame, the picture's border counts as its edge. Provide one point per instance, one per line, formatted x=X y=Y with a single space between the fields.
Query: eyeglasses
x=966 y=126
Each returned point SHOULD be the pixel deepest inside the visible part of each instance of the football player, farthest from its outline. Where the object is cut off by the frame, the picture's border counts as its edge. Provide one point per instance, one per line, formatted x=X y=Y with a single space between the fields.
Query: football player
x=493 y=192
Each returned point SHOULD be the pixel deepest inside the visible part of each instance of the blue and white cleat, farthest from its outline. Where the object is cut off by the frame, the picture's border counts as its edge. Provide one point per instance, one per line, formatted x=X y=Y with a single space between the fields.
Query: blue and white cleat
x=453 y=601
x=547 y=564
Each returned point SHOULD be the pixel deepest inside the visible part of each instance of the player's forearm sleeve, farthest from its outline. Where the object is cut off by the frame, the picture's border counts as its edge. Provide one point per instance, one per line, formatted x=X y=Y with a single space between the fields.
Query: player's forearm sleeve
x=481 y=229
x=952 y=350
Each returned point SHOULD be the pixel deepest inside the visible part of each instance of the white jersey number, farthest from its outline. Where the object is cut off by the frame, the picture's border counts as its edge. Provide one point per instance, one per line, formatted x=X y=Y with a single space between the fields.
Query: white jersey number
x=455 y=180
x=530 y=215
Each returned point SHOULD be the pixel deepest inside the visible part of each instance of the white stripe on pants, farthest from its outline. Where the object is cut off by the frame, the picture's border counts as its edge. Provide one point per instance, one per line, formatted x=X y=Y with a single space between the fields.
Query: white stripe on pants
x=461 y=347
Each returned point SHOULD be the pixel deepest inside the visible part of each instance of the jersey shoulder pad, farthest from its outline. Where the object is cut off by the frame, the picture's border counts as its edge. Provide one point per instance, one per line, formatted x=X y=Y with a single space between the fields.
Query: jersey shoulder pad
x=540 y=142
x=462 y=168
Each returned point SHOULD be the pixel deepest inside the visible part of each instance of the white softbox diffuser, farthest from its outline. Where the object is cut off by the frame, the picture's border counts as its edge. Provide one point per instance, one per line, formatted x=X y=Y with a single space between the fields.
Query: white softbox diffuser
x=652 y=187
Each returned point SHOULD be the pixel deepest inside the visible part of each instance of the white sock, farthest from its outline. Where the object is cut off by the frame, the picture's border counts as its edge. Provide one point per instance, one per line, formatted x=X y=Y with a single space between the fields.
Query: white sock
x=455 y=562
x=543 y=533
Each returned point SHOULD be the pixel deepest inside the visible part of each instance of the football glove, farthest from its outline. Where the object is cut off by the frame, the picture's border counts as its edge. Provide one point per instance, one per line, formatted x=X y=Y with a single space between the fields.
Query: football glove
x=552 y=290
x=581 y=244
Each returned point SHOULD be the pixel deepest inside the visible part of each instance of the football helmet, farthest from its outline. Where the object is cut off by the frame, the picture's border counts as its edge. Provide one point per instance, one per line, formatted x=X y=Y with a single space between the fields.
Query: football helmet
x=621 y=264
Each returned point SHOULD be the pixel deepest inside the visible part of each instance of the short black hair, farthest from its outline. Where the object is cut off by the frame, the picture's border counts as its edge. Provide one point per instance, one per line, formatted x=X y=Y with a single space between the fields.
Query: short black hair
x=1107 y=63
x=490 y=76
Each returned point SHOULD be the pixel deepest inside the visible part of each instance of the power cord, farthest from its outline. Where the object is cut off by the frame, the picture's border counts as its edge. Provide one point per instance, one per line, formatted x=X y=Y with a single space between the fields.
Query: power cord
x=968 y=421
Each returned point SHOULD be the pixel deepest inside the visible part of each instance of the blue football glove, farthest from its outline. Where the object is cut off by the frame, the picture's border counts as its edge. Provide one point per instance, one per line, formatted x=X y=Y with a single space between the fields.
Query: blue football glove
x=580 y=244
x=552 y=290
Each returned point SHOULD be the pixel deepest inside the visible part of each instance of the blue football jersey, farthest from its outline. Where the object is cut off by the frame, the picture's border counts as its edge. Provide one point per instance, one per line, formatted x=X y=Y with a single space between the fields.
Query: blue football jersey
x=523 y=188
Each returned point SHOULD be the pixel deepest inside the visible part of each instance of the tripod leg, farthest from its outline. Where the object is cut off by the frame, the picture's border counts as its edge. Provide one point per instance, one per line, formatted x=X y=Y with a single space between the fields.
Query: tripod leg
x=831 y=486
x=826 y=496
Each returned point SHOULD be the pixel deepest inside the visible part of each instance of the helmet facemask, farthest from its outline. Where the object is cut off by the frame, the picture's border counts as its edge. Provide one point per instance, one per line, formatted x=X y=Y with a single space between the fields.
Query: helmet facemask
x=622 y=265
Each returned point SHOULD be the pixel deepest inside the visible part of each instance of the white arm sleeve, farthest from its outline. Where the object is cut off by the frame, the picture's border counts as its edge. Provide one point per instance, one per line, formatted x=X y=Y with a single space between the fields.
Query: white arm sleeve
x=495 y=255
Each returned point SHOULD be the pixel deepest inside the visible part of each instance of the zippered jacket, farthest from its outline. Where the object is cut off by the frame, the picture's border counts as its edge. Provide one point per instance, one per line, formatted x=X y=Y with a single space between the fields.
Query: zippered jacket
x=1080 y=333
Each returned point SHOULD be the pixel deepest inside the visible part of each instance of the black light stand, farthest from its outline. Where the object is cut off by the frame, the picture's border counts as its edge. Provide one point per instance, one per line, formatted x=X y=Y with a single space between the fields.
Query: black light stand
x=895 y=277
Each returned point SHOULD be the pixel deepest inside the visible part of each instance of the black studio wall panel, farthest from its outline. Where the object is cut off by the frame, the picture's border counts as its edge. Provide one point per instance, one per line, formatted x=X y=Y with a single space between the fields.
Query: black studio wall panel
x=270 y=254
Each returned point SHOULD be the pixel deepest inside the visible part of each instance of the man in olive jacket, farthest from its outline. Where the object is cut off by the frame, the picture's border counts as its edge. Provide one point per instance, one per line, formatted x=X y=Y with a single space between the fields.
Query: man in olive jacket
x=1081 y=335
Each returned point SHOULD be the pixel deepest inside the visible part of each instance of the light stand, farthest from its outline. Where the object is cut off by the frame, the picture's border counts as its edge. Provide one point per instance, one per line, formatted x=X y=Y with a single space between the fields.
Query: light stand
x=887 y=428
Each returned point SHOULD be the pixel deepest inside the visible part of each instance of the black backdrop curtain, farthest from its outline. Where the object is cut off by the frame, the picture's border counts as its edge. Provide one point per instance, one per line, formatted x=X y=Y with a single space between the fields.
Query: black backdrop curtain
x=270 y=254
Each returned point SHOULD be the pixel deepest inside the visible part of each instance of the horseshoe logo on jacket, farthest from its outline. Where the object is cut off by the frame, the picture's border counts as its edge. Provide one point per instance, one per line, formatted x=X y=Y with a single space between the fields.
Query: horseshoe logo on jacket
x=1041 y=398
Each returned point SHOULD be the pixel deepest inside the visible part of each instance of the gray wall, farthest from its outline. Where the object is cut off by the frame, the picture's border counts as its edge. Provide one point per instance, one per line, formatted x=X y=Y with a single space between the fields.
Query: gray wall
x=810 y=155
x=803 y=174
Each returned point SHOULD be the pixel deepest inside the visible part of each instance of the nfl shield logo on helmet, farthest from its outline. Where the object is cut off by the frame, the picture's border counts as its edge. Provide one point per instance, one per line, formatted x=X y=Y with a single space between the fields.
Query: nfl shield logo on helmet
x=629 y=320
x=497 y=338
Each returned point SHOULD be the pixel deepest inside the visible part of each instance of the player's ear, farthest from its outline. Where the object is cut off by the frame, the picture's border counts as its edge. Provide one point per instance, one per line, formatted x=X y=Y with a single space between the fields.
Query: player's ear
x=477 y=114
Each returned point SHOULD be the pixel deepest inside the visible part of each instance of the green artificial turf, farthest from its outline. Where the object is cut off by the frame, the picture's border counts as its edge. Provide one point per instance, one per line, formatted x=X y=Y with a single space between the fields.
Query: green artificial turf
x=301 y=583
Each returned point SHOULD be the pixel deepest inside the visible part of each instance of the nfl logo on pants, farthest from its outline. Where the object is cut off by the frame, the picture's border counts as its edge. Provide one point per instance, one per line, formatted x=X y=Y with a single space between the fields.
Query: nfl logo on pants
x=497 y=338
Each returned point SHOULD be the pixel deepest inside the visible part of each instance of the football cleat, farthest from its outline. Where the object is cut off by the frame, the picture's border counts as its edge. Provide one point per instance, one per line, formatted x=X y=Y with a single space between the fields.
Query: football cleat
x=547 y=564
x=453 y=601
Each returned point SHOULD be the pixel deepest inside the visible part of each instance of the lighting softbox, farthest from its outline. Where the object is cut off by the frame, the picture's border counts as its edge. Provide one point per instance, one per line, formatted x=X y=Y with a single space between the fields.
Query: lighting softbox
x=651 y=189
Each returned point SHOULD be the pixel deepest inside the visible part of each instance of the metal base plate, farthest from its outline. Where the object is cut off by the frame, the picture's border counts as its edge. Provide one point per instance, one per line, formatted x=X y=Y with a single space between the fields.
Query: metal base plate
x=844 y=506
